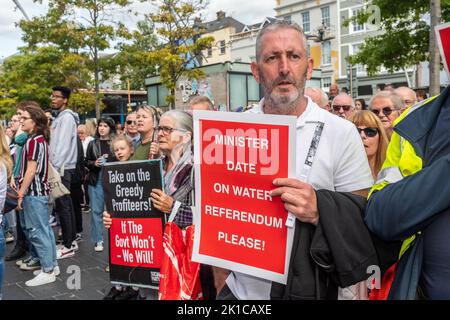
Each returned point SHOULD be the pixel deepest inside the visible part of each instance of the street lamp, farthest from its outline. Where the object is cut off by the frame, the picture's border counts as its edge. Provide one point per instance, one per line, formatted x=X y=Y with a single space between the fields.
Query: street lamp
x=321 y=34
x=19 y=6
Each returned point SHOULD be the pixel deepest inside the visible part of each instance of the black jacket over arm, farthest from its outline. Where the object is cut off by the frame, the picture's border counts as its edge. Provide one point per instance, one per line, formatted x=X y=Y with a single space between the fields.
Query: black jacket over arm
x=335 y=253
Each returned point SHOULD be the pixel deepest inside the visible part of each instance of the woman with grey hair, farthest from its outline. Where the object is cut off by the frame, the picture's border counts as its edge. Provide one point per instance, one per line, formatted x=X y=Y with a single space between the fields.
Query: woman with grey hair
x=387 y=106
x=175 y=142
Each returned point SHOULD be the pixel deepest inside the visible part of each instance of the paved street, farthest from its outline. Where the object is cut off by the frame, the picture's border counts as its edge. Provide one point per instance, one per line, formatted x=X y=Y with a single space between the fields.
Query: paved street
x=94 y=279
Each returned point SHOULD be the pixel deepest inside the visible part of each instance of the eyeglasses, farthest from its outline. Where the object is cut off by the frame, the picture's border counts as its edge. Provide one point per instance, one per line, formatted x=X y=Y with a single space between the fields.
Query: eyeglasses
x=369 y=132
x=24 y=118
x=14 y=120
x=167 y=130
x=386 y=111
x=337 y=107
x=54 y=96
x=131 y=122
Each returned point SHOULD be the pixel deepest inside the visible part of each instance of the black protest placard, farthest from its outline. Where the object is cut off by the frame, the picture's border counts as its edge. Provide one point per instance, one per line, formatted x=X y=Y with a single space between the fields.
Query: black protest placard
x=135 y=236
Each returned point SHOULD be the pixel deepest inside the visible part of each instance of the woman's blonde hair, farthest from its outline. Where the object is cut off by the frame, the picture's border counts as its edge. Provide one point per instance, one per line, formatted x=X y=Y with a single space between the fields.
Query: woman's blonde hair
x=5 y=154
x=369 y=119
x=91 y=127
x=122 y=137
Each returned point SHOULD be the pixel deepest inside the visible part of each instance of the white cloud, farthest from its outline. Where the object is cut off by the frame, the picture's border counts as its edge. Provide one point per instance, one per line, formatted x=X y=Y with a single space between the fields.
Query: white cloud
x=245 y=11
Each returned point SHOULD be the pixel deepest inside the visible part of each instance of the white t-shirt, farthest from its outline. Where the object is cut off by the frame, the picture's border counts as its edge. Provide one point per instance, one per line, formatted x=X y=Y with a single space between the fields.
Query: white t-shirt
x=85 y=143
x=340 y=164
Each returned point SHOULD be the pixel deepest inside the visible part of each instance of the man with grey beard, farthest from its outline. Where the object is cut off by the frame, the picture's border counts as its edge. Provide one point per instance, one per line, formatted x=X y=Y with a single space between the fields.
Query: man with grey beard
x=339 y=164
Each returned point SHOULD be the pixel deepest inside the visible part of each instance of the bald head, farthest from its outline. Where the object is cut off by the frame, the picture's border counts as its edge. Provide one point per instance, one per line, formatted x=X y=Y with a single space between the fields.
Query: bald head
x=318 y=96
x=334 y=91
x=407 y=95
x=343 y=105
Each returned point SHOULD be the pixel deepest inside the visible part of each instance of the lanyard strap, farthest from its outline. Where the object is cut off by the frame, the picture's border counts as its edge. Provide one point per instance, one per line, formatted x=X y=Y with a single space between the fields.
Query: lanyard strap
x=290 y=221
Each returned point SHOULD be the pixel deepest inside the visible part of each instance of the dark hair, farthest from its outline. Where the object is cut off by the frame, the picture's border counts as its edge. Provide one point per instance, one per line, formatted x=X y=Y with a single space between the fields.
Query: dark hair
x=39 y=118
x=421 y=93
x=110 y=123
x=48 y=110
x=363 y=103
x=64 y=91
x=21 y=105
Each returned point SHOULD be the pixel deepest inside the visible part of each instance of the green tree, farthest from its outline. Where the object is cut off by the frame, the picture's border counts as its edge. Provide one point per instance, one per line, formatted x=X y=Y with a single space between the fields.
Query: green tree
x=179 y=30
x=31 y=74
x=8 y=100
x=406 y=34
x=83 y=101
x=86 y=26
x=133 y=60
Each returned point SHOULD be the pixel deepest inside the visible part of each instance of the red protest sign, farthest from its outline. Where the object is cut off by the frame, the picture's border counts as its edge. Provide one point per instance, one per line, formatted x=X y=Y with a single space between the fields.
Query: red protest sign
x=240 y=226
x=443 y=37
x=136 y=242
x=135 y=236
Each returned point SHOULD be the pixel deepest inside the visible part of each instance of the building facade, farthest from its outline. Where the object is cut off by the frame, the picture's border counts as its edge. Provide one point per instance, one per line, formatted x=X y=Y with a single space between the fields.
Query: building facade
x=351 y=38
x=230 y=86
x=319 y=21
x=221 y=29
x=243 y=43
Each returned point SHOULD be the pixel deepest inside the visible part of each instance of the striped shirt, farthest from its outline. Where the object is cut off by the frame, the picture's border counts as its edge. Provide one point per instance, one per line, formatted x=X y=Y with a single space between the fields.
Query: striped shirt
x=36 y=149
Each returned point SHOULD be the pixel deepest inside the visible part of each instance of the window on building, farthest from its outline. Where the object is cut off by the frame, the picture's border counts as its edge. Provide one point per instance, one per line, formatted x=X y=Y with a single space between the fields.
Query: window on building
x=326 y=16
x=287 y=19
x=357 y=27
x=355 y=48
x=243 y=90
x=222 y=46
x=210 y=52
x=326 y=52
x=306 y=22
x=326 y=83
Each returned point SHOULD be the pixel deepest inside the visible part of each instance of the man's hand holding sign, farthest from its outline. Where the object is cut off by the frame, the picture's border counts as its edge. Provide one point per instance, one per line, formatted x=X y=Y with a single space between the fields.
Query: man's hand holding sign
x=299 y=198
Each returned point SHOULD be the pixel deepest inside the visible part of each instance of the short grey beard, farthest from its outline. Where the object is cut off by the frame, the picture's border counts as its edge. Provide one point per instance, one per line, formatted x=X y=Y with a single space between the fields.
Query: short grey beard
x=275 y=104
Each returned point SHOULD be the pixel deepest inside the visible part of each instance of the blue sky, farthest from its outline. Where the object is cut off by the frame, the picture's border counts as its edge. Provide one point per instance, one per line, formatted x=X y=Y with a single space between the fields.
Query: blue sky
x=248 y=12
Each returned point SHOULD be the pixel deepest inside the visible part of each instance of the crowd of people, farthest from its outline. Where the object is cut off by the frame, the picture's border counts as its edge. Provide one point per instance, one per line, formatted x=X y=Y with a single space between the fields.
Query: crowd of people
x=365 y=151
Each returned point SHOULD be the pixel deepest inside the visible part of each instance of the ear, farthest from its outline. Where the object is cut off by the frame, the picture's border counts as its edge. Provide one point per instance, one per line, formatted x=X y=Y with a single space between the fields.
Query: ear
x=255 y=71
x=187 y=137
x=310 y=69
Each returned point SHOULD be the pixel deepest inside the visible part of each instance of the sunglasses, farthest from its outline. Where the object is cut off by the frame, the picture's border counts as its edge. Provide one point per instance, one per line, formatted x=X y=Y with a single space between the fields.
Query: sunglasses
x=130 y=122
x=369 y=132
x=337 y=107
x=386 y=111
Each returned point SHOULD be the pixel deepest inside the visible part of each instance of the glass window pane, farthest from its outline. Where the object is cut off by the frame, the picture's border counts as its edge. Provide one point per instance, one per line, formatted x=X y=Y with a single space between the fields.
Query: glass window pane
x=253 y=89
x=238 y=96
x=162 y=94
x=153 y=95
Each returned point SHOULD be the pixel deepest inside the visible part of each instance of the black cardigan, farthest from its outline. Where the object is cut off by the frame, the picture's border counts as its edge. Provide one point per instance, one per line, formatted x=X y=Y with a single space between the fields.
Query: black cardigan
x=334 y=254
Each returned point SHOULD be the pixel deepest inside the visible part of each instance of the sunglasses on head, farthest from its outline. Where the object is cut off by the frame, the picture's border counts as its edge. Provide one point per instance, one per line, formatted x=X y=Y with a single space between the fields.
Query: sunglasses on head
x=369 y=132
x=130 y=122
x=337 y=107
x=386 y=111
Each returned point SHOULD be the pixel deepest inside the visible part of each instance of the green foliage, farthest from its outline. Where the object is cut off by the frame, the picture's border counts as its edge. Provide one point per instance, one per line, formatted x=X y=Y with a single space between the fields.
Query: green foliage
x=405 y=38
x=83 y=27
x=133 y=61
x=179 y=32
x=31 y=74
x=84 y=101
x=8 y=100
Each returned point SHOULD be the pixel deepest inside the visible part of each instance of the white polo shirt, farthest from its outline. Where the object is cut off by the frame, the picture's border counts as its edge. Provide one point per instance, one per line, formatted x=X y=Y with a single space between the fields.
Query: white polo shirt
x=340 y=164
